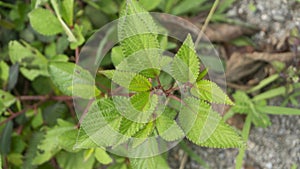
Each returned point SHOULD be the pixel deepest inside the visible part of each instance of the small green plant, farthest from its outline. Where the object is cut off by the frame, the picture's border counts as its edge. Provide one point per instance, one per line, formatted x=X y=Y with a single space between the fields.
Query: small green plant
x=257 y=110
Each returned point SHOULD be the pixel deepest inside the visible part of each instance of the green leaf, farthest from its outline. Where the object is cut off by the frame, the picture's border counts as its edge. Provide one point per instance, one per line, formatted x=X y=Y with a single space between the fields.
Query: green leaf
x=102 y=157
x=142 y=135
x=146 y=62
x=6 y=100
x=149 y=163
x=5 y=139
x=245 y=105
x=13 y=76
x=210 y=92
x=32 y=62
x=185 y=66
x=264 y=83
x=186 y=5
x=149 y=5
x=4 y=73
x=277 y=110
x=83 y=141
x=242 y=102
x=32 y=149
x=74 y=160
x=102 y=123
x=129 y=80
x=137 y=30
x=117 y=55
x=67 y=11
x=44 y=22
x=72 y=80
x=49 y=146
x=68 y=140
x=15 y=159
x=205 y=127
x=139 y=111
x=168 y=128
x=78 y=35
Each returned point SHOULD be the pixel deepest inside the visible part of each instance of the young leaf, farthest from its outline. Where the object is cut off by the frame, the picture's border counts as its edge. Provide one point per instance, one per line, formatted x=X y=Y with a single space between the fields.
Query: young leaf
x=67 y=11
x=102 y=156
x=168 y=128
x=205 y=127
x=44 y=22
x=138 y=32
x=6 y=100
x=185 y=66
x=129 y=80
x=72 y=79
x=4 y=72
x=149 y=163
x=117 y=55
x=32 y=62
x=211 y=92
x=138 y=111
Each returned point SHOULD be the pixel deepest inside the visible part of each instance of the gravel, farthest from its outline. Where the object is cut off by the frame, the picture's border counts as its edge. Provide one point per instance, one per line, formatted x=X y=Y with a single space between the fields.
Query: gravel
x=277 y=146
x=273 y=18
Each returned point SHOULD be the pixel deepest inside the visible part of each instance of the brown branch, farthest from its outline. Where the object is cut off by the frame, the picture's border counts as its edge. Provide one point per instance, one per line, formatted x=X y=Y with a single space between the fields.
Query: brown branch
x=57 y=98
x=21 y=112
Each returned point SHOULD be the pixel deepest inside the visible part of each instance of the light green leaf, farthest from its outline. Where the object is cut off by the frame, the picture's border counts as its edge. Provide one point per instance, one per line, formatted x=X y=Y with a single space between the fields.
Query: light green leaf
x=6 y=100
x=32 y=62
x=277 y=110
x=44 y=22
x=72 y=80
x=102 y=123
x=50 y=144
x=4 y=72
x=142 y=135
x=211 y=92
x=117 y=55
x=83 y=141
x=78 y=35
x=205 y=127
x=137 y=30
x=168 y=128
x=129 y=80
x=264 y=83
x=67 y=11
x=15 y=159
x=186 y=5
x=139 y=111
x=155 y=162
x=102 y=156
x=149 y=5
x=185 y=66
x=74 y=160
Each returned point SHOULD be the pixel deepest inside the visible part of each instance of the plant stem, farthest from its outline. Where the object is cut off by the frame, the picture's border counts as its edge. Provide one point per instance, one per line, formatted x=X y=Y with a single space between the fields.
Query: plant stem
x=211 y=12
x=57 y=98
x=21 y=112
x=245 y=135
